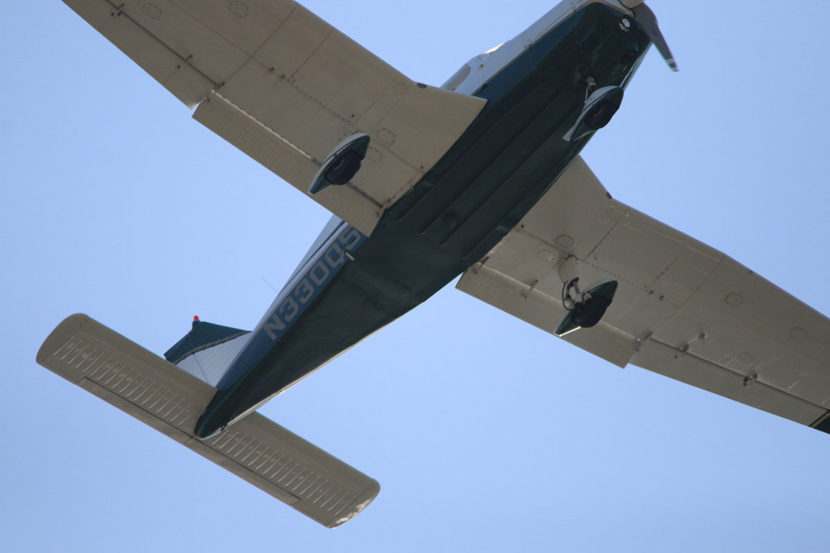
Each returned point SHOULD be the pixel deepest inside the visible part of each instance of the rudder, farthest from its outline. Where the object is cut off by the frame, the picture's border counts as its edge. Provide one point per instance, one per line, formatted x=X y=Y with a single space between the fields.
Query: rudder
x=207 y=350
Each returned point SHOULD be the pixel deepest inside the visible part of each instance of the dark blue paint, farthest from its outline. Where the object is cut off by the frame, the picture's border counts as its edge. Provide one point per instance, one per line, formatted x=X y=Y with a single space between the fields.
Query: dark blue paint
x=508 y=158
x=294 y=300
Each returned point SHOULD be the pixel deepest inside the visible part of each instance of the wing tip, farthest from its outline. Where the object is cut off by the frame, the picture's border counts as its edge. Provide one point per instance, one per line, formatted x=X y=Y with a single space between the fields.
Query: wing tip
x=371 y=492
x=59 y=335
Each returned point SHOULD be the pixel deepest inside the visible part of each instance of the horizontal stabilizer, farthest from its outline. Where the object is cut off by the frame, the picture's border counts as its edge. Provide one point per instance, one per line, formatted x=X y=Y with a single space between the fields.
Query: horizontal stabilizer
x=170 y=400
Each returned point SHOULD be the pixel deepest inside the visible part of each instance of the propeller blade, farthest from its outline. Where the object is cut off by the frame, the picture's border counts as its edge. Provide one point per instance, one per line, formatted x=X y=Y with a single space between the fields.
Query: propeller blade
x=649 y=21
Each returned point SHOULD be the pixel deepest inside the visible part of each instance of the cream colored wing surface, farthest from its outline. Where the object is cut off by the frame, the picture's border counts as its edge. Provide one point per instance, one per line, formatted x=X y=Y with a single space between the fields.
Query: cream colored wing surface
x=286 y=88
x=682 y=309
x=170 y=400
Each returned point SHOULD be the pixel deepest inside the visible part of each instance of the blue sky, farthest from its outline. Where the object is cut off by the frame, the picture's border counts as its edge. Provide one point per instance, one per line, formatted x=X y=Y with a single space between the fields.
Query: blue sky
x=485 y=433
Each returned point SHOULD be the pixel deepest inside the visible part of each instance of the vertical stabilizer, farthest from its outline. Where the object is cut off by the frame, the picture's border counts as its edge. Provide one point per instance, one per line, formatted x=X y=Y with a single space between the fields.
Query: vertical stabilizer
x=207 y=350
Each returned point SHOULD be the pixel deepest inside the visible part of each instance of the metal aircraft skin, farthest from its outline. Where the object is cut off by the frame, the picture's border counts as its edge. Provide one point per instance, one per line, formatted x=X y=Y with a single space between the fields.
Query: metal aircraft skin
x=481 y=178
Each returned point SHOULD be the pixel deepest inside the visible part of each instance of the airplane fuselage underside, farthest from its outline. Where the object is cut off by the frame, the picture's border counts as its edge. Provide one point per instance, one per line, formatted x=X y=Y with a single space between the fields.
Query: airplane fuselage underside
x=505 y=161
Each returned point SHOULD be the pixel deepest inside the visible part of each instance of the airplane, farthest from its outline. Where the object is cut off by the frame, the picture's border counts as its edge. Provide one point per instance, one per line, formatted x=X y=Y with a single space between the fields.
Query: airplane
x=477 y=178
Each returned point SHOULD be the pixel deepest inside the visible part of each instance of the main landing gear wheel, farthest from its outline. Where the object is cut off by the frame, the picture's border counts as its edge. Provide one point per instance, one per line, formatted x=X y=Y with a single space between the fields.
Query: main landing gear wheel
x=345 y=169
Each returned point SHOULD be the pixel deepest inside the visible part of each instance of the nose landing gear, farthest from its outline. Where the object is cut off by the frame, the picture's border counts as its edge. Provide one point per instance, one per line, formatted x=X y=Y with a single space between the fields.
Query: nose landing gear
x=600 y=107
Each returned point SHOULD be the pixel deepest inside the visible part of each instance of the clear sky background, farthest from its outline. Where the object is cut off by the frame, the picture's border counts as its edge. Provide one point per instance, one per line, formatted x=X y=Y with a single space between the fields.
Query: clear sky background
x=485 y=433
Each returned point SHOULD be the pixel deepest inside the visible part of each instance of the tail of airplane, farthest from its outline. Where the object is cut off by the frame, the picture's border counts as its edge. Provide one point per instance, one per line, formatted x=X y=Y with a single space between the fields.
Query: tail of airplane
x=171 y=398
x=207 y=350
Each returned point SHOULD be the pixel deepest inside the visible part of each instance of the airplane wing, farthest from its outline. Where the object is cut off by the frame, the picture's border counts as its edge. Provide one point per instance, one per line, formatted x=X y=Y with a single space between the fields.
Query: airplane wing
x=170 y=400
x=286 y=88
x=682 y=309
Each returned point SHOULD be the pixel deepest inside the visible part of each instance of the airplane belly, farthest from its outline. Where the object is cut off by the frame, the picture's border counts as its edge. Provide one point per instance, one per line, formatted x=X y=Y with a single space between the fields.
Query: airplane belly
x=508 y=158
x=512 y=153
x=344 y=313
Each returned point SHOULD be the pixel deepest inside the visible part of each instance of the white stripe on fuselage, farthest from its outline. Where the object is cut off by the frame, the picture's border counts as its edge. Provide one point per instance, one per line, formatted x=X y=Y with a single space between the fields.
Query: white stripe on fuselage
x=484 y=67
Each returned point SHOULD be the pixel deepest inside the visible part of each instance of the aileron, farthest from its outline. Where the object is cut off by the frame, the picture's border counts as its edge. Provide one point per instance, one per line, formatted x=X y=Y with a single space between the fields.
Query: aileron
x=173 y=71
x=692 y=369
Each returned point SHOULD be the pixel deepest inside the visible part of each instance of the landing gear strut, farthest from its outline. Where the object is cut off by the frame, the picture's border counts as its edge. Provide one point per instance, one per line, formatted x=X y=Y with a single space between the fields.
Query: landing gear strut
x=585 y=309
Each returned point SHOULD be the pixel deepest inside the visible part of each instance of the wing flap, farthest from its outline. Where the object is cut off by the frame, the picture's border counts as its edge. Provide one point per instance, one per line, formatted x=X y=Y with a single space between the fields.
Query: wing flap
x=170 y=400
x=282 y=157
x=297 y=79
x=682 y=309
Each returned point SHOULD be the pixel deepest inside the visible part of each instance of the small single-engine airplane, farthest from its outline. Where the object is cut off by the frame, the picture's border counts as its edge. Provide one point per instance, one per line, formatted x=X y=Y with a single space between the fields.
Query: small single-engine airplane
x=481 y=178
